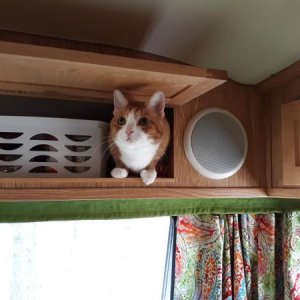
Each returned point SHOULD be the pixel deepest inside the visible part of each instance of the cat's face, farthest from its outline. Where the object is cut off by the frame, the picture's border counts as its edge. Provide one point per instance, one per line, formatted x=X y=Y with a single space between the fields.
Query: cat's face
x=138 y=124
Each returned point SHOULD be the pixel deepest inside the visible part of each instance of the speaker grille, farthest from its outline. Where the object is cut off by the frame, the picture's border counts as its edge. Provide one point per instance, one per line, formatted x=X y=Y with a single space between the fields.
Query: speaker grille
x=218 y=143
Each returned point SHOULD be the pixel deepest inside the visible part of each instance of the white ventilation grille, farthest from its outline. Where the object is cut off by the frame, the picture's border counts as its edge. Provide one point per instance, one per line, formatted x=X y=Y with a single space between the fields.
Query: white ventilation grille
x=215 y=143
x=52 y=147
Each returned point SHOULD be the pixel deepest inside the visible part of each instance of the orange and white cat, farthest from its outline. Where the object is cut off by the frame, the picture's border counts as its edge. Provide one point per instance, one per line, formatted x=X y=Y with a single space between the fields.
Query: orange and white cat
x=139 y=135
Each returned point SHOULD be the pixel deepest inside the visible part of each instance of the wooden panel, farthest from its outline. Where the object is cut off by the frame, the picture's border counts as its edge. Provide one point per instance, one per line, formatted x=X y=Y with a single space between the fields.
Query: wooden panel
x=201 y=88
x=290 y=120
x=268 y=133
x=243 y=103
x=284 y=193
x=64 y=183
x=126 y=193
x=29 y=90
x=285 y=93
x=276 y=149
x=280 y=88
x=33 y=39
x=297 y=143
x=50 y=68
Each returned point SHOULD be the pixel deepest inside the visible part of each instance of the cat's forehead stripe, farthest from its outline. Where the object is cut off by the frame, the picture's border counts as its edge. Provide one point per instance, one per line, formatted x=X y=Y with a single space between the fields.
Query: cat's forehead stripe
x=133 y=114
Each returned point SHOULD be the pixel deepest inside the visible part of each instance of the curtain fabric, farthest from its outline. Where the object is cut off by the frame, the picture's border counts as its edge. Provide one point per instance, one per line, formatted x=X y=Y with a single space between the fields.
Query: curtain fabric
x=247 y=256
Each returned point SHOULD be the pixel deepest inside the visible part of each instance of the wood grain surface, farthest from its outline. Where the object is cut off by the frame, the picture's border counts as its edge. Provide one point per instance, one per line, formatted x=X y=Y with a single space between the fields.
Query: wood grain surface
x=52 y=70
x=249 y=109
x=241 y=100
x=126 y=193
x=284 y=94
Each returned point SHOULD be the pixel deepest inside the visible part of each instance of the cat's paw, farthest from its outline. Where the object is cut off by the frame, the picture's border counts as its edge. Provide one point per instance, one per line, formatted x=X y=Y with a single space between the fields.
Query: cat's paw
x=148 y=176
x=119 y=173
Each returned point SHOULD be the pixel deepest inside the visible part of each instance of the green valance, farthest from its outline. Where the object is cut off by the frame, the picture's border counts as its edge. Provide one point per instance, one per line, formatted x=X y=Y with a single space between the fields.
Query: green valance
x=31 y=211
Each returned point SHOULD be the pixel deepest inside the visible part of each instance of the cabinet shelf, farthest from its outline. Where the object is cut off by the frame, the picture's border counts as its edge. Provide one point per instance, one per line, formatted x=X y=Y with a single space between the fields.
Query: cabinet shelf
x=50 y=72
x=35 y=183
x=48 y=194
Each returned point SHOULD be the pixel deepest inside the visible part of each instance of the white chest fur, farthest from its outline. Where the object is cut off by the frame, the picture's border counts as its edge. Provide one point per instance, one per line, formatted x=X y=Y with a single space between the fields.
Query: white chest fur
x=139 y=156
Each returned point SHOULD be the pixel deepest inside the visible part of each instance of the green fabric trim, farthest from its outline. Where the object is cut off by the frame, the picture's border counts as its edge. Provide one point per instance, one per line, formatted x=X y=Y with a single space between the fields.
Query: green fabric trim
x=137 y=208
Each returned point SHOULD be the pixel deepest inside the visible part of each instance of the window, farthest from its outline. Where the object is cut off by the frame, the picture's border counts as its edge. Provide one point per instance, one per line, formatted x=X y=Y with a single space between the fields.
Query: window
x=115 y=259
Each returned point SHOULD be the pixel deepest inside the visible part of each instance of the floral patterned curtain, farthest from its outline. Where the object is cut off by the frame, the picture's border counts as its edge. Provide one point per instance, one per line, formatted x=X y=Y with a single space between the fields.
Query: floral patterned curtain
x=240 y=257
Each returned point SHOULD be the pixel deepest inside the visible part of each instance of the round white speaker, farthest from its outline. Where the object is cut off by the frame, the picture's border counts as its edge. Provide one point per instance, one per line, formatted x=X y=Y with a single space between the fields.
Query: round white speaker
x=215 y=143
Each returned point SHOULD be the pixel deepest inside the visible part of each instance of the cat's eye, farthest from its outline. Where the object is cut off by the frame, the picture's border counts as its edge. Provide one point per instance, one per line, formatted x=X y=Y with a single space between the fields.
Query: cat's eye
x=143 y=122
x=121 y=121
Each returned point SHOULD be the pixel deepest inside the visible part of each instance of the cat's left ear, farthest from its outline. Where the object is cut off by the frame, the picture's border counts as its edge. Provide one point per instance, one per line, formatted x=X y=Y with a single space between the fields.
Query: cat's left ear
x=157 y=103
x=120 y=101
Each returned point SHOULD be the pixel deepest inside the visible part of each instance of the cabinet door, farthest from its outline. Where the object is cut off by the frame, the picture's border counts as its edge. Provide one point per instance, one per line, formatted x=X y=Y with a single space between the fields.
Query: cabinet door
x=290 y=118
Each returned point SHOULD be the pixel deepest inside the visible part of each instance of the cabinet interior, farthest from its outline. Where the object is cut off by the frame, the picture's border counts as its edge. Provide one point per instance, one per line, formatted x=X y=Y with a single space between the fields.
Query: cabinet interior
x=100 y=111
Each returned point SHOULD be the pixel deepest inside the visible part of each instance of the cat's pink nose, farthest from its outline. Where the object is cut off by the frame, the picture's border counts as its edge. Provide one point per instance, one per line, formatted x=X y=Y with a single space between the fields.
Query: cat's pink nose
x=129 y=131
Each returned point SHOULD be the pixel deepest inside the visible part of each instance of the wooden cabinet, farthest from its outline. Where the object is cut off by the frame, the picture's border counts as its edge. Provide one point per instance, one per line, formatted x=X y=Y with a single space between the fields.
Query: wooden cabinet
x=41 y=73
x=69 y=74
x=280 y=95
x=290 y=126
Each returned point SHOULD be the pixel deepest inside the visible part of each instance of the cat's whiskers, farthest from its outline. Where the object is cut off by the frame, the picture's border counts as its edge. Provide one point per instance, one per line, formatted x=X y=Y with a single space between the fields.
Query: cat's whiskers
x=105 y=140
x=111 y=146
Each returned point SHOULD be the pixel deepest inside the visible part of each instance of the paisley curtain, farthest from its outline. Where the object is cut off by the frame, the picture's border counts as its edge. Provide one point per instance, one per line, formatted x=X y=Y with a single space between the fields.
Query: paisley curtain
x=246 y=256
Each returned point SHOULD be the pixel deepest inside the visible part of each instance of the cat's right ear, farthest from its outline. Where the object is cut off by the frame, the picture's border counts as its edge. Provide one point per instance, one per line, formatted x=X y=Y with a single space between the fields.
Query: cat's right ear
x=120 y=101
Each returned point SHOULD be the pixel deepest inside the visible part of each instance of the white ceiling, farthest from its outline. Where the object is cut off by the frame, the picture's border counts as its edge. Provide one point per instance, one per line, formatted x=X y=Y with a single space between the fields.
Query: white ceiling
x=250 y=39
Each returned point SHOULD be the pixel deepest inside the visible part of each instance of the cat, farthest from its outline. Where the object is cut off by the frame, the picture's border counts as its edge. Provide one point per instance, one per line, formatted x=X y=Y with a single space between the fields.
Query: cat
x=138 y=137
